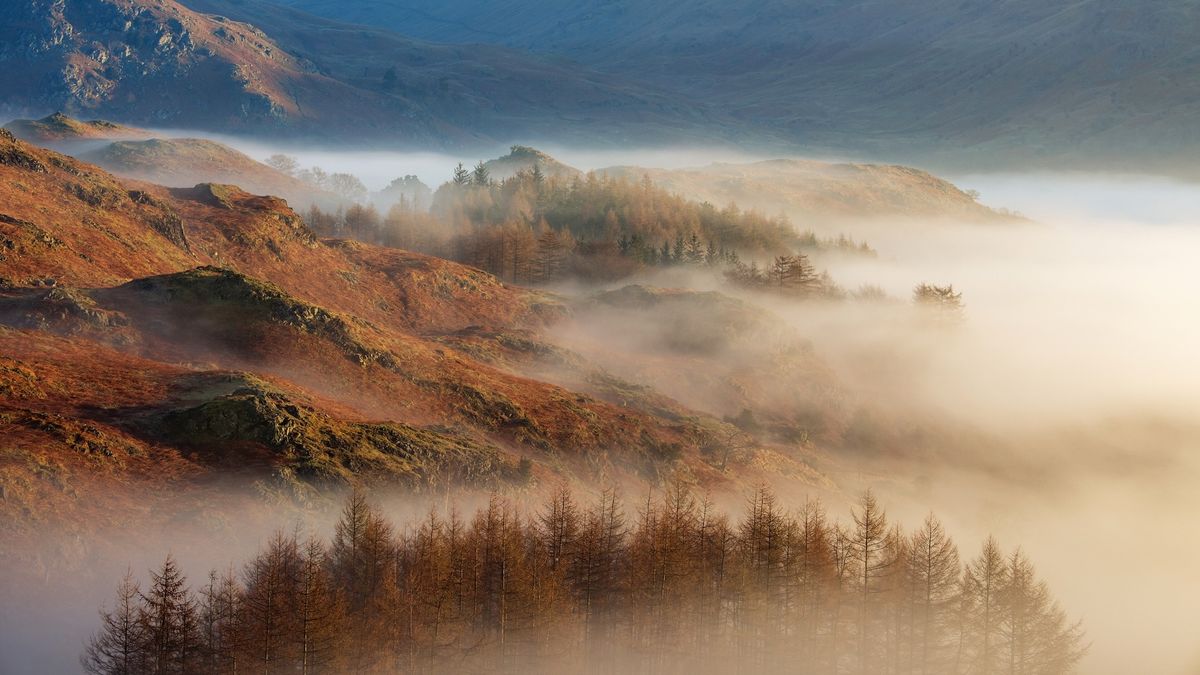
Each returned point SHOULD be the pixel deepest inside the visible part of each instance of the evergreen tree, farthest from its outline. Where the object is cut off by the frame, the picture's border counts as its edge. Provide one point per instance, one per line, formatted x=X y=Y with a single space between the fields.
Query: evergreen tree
x=481 y=177
x=461 y=177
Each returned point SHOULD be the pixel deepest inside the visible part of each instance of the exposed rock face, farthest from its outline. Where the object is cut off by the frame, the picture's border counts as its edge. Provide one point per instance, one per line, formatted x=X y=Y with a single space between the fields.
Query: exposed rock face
x=144 y=60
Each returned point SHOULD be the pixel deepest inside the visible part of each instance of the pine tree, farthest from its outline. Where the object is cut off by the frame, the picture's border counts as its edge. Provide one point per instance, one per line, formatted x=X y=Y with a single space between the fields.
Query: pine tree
x=481 y=177
x=461 y=177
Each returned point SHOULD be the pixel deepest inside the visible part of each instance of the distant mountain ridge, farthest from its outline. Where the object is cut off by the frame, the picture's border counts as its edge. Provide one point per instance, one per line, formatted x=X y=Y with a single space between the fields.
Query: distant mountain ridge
x=1109 y=83
x=161 y=64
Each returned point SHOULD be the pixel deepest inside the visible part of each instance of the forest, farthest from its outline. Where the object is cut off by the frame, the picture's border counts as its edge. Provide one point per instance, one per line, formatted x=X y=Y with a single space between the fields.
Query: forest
x=533 y=228
x=673 y=584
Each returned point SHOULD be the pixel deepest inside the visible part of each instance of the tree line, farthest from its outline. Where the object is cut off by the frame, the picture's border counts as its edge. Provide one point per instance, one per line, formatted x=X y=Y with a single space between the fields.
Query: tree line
x=532 y=228
x=673 y=585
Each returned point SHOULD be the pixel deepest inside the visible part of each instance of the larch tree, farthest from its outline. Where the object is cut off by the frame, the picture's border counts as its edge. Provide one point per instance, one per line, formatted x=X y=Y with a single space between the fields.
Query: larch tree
x=983 y=584
x=170 y=629
x=118 y=648
x=933 y=578
x=869 y=550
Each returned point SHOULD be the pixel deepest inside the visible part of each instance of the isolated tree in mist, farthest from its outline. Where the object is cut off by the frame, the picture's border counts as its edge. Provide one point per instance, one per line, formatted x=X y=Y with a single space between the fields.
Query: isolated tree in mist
x=945 y=303
x=117 y=649
x=283 y=164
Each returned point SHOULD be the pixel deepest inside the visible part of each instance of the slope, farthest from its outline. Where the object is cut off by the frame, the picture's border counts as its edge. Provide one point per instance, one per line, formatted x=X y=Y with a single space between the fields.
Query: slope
x=59 y=129
x=968 y=83
x=282 y=355
x=162 y=64
x=817 y=194
x=184 y=162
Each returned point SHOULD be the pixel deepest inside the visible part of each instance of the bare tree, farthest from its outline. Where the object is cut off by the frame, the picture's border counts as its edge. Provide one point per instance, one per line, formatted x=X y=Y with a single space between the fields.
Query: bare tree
x=119 y=646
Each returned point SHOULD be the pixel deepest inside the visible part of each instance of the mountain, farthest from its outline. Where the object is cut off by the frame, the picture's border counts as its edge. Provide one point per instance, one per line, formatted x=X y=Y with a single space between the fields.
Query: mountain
x=820 y=193
x=184 y=162
x=159 y=63
x=964 y=83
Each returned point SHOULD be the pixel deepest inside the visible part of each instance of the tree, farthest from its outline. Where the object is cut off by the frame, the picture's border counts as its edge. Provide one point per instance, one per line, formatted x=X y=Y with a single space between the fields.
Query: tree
x=362 y=223
x=559 y=524
x=315 y=177
x=390 y=79
x=983 y=582
x=219 y=612
x=170 y=629
x=933 y=579
x=119 y=647
x=869 y=549
x=266 y=621
x=461 y=176
x=481 y=176
x=285 y=164
x=347 y=186
x=1037 y=638
x=794 y=272
x=317 y=612
x=942 y=302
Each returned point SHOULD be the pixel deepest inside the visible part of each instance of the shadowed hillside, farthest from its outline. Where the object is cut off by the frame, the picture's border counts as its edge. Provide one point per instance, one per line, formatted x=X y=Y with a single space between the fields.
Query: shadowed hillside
x=294 y=75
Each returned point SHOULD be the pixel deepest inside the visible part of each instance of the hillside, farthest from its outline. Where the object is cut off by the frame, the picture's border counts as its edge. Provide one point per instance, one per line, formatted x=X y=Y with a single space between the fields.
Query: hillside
x=524 y=158
x=184 y=162
x=60 y=130
x=816 y=193
x=143 y=61
x=205 y=332
x=973 y=83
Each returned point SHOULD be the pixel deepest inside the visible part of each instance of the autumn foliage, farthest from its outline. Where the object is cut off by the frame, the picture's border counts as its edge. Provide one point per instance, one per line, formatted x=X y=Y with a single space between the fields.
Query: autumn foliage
x=672 y=585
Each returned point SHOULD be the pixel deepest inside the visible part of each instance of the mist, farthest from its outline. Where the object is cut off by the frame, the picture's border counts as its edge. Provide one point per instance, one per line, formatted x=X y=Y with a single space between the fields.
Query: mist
x=377 y=168
x=1078 y=351
x=1072 y=373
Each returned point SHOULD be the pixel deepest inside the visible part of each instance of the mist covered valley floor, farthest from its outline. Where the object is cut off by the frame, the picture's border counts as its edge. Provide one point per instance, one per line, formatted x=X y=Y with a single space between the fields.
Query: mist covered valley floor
x=216 y=406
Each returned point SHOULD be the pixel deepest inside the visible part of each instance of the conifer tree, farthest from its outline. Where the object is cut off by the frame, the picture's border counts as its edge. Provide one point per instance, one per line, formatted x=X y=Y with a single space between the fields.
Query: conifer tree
x=119 y=648
x=169 y=626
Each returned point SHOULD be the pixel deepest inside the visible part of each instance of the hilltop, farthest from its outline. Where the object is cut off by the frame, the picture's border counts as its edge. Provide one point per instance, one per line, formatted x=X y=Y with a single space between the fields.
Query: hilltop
x=524 y=158
x=59 y=129
x=821 y=193
x=184 y=162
